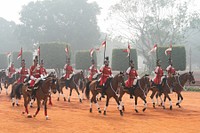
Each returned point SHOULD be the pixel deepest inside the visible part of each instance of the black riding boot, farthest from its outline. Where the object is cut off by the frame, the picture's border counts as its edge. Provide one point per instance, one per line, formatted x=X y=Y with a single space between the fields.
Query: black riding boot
x=33 y=93
x=67 y=83
x=131 y=92
x=103 y=91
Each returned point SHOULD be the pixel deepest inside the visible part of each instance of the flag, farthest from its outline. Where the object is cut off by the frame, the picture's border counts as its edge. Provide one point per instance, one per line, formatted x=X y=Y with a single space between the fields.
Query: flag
x=38 y=51
x=103 y=44
x=91 y=52
x=153 y=49
x=128 y=50
x=67 y=51
x=168 y=50
x=8 y=54
x=20 y=54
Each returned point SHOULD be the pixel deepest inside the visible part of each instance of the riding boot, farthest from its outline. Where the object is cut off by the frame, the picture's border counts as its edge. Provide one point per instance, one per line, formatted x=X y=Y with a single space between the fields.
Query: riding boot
x=34 y=92
x=160 y=88
x=103 y=91
x=131 y=92
x=67 y=83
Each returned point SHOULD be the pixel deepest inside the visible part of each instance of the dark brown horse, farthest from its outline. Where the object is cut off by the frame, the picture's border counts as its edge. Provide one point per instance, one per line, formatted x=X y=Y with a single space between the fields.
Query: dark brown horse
x=8 y=81
x=42 y=93
x=141 y=90
x=180 y=83
x=167 y=84
x=111 y=85
x=73 y=83
x=2 y=76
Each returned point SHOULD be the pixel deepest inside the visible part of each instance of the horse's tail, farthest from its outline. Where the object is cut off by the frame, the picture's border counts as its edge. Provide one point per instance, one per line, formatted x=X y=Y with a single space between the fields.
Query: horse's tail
x=18 y=91
x=87 y=91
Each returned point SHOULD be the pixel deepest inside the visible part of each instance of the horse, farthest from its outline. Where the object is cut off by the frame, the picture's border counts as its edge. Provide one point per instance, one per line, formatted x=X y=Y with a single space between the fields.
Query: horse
x=8 y=81
x=167 y=84
x=42 y=93
x=180 y=83
x=72 y=84
x=2 y=76
x=111 y=85
x=141 y=90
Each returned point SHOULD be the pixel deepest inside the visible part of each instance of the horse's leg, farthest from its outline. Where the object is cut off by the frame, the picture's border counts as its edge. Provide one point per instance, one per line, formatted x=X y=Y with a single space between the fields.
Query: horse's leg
x=50 y=101
x=152 y=95
x=83 y=93
x=145 y=103
x=107 y=101
x=95 y=101
x=118 y=104
x=136 y=104
x=70 y=94
x=170 y=102
x=120 y=100
x=180 y=98
x=78 y=94
x=6 y=90
x=16 y=102
x=38 y=108
x=63 y=95
x=31 y=102
x=45 y=109
x=26 y=102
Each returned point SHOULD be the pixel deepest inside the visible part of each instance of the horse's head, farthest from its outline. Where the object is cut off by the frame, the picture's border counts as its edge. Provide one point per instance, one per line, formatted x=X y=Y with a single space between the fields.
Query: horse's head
x=145 y=81
x=120 y=78
x=2 y=73
x=190 y=77
x=53 y=85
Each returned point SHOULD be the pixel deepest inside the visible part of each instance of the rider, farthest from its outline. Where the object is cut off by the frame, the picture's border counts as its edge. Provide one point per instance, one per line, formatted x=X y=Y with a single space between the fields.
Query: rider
x=170 y=69
x=159 y=75
x=106 y=73
x=68 y=72
x=132 y=78
x=34 y=75
x=11 y=70
x=23 y=71
x=43 y=71
x=92 y=70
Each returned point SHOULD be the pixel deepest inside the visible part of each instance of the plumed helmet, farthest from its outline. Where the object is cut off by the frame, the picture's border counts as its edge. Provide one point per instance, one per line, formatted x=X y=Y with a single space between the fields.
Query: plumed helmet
x=158 y=62
x=36 y=59
x=106 y=60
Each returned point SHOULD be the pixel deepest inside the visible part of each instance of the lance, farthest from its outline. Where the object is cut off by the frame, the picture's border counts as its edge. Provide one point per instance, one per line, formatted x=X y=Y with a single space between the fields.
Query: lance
x=104 y=49
x=39 y=54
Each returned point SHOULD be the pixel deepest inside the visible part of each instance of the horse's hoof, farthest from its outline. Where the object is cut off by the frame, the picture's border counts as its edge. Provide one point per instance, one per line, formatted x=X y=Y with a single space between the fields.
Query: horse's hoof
x=23 y=113
x=13 y=104
x=154 y=105
x=80 y=101
x=31 y=106
x=144 y=109
x=50 y=104
x=17 y=104
x=123 y=108
x=170 y=107
x=99 y=111
x=29 y=116
x=90 y=110
x=58 y=99
x=65 y=99
x=68 y=100
x=177 y=104
x=104 y=112
x=121 y=113
x=163 y=107
x=136 y=110
x=34 y=115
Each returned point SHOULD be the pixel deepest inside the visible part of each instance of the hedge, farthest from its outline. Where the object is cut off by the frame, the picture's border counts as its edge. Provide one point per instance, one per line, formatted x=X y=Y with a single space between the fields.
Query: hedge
x=83 y=60
x=28 y=56
x=53 y=54
x=3 y=60
x=120 y=61
x=178 y=57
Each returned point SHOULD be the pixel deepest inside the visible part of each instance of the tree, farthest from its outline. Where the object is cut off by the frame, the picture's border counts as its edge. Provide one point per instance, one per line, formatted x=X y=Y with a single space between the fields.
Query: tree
x=8 y=40
x=72 y=21
x=149 y=22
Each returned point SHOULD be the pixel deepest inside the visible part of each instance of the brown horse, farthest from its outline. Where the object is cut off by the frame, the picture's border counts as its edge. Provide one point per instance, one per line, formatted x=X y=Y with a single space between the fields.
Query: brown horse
x=111 y=85
x=180 y=83
x=167 y=84
x=141 y=90
x=72 y=84
x=42 y=93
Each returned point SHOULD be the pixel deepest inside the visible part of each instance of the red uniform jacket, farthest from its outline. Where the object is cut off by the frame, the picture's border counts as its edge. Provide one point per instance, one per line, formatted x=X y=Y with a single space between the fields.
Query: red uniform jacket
x=132 y=75
x=43 y=71
x=159 y=73
x=106 y=72
x=92 y=71
x=11 y=71
x=23 y=72
x=170 y=70
x=35 y=71
x=69 y=70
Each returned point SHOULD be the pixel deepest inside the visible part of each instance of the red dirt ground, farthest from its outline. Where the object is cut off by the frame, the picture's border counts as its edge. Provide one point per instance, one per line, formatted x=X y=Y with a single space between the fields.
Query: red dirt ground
x=74 y=117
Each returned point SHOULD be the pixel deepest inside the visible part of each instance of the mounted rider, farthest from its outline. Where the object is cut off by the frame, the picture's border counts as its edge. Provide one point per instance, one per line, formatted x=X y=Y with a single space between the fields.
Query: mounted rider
x=23 y=71
x=106 y=73
x=92 y=70
x=170 y=69
x=43 y=71
x=68 y=72
x=157 y=80
x=132 y=78
x=11 y=70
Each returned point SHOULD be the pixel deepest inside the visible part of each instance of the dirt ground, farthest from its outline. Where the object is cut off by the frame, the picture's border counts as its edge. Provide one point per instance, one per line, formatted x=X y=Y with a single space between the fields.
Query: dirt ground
x=74 y=117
